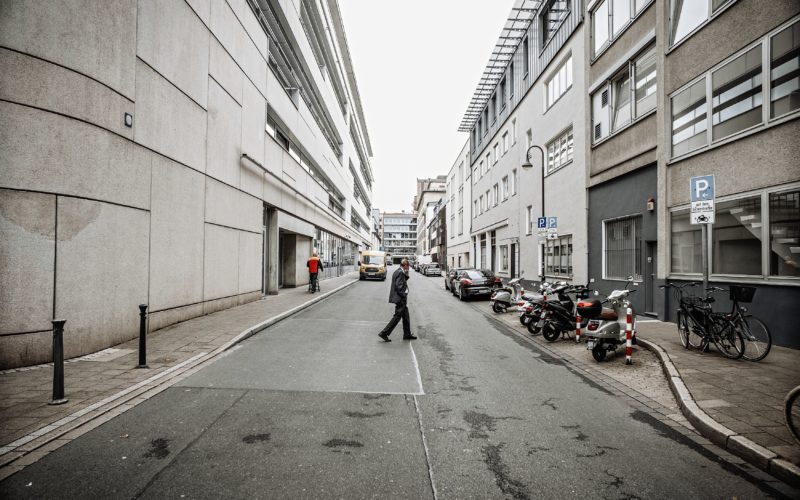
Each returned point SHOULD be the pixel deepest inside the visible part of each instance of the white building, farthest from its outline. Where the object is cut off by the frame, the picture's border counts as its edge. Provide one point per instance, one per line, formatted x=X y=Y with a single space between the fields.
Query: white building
x=459 y=211
x=185 y=155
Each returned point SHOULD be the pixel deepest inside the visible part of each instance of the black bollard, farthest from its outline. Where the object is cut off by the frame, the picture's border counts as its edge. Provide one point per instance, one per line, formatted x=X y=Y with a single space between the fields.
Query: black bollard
x=58 y=362
x=142 y=336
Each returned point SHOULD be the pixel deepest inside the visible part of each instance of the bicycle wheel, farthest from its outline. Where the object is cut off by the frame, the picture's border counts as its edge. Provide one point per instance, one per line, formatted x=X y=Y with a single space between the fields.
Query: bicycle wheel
x=757 y=339
x=683 y=329
x=727 y=338
x=693 y=339
x=791 y=412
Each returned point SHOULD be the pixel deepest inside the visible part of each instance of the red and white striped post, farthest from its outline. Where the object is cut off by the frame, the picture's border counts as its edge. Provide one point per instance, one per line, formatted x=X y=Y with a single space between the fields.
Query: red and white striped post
x=628 y=338
x=577 y=327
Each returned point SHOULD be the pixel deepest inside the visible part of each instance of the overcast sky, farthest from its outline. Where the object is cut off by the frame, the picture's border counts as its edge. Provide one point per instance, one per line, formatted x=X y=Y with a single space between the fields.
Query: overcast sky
x=417 y=63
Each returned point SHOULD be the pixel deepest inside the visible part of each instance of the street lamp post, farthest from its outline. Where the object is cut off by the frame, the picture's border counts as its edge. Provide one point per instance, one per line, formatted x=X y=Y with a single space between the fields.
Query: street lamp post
x=528 y=165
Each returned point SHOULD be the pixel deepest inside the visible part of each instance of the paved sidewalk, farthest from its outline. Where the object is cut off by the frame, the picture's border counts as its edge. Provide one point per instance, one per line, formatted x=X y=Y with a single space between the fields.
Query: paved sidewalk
x=104 y=384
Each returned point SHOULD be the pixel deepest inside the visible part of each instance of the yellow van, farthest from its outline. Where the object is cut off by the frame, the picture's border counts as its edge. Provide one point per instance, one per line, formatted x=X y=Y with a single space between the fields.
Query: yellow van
x=372 y=264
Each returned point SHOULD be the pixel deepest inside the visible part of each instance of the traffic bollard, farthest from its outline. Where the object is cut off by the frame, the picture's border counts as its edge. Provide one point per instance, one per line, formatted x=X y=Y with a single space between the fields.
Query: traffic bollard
x=58 y=362
x=142 y=336
x=577 y=328
x=628 y=337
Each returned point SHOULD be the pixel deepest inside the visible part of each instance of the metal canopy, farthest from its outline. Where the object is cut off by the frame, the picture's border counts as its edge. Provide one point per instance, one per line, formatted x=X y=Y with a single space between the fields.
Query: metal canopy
x=517 y=23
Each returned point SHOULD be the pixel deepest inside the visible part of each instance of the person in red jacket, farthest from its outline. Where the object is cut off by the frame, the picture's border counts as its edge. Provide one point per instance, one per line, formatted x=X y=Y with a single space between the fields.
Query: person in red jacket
x=314 y=267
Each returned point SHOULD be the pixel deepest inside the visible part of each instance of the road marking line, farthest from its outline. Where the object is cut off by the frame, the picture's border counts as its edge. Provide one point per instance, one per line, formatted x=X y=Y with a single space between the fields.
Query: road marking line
x=425 y=447
x=416 y=367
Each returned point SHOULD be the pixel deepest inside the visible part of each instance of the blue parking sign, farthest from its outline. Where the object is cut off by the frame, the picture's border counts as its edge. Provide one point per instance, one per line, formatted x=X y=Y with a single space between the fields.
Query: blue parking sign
x=552 y=222
x=541 y=223
x=702 y=188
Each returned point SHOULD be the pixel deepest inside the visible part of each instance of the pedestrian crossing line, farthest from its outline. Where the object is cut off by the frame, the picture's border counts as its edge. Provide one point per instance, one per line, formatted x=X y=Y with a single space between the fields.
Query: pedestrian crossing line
x=416 y=367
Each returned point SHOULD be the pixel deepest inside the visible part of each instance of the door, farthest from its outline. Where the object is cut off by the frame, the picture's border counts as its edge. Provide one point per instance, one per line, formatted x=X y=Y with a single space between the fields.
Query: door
x=513 y=259
x=265 y=254
x=650 y=276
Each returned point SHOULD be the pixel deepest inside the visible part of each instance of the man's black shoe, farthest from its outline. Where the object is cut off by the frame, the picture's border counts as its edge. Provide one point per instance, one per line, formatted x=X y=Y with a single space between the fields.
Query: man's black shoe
x=410 y=337
x=384 y=337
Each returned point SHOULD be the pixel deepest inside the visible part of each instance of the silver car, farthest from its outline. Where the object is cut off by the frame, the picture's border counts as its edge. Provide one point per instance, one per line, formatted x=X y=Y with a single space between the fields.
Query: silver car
x=432 y=270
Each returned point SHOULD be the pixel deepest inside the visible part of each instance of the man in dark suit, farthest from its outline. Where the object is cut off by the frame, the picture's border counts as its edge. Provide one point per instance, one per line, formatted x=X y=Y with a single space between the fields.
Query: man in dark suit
x=398 y=295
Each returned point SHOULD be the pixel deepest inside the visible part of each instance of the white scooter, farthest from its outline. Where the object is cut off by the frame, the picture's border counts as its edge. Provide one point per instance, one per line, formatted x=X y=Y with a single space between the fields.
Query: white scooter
x=507 y=296
x=606 y=328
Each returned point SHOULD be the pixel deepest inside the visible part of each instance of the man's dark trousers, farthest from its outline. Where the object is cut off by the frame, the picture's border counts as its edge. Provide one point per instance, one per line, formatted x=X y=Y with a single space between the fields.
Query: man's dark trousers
x=400 y=312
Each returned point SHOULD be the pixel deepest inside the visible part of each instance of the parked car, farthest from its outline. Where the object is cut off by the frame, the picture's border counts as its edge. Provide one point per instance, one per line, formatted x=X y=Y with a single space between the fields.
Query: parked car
x=472 y=283
x=496 y=281
x=433 y=270
x=451 y=275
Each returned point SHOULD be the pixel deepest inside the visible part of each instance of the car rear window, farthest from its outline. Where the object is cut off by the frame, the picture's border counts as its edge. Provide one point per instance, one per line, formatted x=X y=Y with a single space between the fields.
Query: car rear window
x=475 y=275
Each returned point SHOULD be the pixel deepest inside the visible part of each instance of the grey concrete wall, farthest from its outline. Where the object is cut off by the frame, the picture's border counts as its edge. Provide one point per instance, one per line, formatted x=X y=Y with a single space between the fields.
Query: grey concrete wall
x=631 y=148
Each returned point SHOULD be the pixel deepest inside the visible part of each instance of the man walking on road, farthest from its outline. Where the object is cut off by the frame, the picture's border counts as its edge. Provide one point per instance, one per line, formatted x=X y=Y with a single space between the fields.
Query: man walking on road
x=398 y=295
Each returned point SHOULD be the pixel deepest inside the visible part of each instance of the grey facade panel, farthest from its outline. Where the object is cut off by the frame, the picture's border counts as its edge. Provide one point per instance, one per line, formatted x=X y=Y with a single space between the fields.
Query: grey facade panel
x=632 y=142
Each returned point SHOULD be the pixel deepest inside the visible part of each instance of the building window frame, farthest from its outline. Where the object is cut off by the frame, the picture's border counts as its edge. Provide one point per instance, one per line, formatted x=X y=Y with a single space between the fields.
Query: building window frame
x=547 y=35
x=559 y=264
x=561 y=146
x=529 y=220
x=764 y=43
x=635 y=9
x=634 y=245
x=559 y=83
x=710 y=15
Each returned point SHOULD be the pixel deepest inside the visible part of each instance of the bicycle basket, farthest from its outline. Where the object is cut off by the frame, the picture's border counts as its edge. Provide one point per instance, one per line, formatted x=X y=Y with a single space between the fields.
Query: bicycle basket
x=742 y=293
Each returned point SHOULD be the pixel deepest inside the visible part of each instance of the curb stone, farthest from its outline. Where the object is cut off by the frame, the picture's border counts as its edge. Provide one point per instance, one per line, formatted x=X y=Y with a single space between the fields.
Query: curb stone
x=739 y=445
x=12 y=457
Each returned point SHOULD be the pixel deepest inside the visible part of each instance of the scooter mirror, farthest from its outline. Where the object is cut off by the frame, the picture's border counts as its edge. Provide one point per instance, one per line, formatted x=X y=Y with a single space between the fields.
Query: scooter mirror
x=596 y=292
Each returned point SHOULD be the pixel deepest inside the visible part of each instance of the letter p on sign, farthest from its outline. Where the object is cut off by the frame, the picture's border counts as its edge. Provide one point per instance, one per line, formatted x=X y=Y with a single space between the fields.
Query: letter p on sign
x=702 y=188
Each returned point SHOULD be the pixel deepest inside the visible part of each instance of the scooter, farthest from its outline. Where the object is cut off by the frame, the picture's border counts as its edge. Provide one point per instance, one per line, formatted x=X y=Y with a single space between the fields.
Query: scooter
x=558 y=316
x=509 y=295
x=606 y=327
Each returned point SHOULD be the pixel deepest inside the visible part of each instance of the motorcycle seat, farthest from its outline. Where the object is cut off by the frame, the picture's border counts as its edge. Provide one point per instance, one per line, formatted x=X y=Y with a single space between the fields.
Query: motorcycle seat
x=608 y=314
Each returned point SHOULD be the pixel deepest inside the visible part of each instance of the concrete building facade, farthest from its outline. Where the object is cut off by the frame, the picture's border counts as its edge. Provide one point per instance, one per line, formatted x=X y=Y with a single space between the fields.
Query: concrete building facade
x=459 y=208
x=399 y=235
x=429 y=193
x=185 y=155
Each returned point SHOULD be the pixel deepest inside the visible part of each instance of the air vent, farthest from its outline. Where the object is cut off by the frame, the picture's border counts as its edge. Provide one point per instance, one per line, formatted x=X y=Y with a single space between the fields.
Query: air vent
x=604 y=98
x=598 y=130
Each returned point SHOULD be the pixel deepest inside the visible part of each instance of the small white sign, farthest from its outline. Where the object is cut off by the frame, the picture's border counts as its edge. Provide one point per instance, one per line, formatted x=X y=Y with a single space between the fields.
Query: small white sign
x=552 y=230
x=552 y=236
x=702 y=212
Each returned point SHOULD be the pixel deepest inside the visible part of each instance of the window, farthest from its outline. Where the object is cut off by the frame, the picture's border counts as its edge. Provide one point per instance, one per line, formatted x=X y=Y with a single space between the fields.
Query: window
x=736 y=237
x=528 y=139
x=558 y=256
x=689 y=119
x=620 y=15
x=784 y=233
x=496 y=152
x=488 y=161
x=513 y=182
x=560 y=151
x=514 y=131
x=475 y=209
x=504 y=258
x=460 y=222
x=689 y=14
x=525 y=57
x=617 y=104
x=495 y=195
x=475 y=174
x=600 y=27
x=686 y=244
x=461 y=197
x=483 y=205
x=482 y=167
x=505 y=188
x=644 y=70
x=785 y=71
x=488 y=202
x=494 y=108
x=736 y=94
x=622 y=100
x=559 y=83
x=553 y=13
x=505 y=143
x=511 y=80
x=622 y=251
x=502 y=93
x=529 y=219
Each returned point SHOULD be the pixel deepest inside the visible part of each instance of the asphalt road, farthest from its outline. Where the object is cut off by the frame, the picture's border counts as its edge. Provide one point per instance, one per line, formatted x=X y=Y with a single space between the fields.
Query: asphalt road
x=318 y=406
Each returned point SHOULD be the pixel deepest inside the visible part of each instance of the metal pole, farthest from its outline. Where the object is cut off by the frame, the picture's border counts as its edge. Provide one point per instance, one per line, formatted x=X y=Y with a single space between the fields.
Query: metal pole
x=142 y=336
x=58 y=362
x=704 y=237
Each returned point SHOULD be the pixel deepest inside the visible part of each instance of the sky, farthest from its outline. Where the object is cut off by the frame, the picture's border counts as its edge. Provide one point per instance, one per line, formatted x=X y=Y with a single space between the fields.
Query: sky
x=417 y=63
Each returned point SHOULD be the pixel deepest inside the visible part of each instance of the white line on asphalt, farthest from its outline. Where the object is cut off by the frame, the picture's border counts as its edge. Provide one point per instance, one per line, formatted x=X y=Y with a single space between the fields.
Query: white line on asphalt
x=425 y=447
x=416 y=367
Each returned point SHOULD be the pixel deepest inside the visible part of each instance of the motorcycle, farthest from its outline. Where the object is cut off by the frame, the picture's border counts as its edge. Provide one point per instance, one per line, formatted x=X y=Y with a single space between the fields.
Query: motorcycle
x=508 y=295
x=606 y=327
x=558 y=316
x=530 y=308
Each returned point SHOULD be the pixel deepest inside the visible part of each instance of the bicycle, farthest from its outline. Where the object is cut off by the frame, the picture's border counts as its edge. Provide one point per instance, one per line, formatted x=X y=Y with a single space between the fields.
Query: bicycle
x=791 y=412
x=698 y=325
x=756 y=335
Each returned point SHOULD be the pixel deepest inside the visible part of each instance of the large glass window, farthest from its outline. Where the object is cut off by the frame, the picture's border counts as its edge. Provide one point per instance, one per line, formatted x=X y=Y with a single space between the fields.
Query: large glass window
x=558 y=256
x=689 y=118
x=600 y=27
x=785 y=71
x=736 y=94
x=620 y=15
x=737 y=237
x=623 y=248
x=529 y=219
x=686 y=250
x=644 y=68
x=622 y=100
x=553 y=12
x=560 y=151
x=784 y=233
x=686 y=15
x=559 y=83
x=504 y=258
